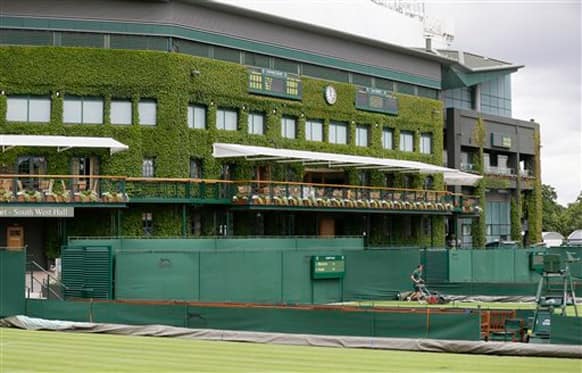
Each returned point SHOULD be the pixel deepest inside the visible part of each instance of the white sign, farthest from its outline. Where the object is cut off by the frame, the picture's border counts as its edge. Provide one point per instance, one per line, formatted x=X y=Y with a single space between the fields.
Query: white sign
x=37 y=212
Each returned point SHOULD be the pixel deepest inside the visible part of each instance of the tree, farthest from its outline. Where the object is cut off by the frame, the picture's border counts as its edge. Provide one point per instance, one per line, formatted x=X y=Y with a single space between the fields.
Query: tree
x=573 y=216
x=553 y=219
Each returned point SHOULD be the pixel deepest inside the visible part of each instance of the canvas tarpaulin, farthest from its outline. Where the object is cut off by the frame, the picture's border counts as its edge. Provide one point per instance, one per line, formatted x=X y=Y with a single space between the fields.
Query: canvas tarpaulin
x=403 y=344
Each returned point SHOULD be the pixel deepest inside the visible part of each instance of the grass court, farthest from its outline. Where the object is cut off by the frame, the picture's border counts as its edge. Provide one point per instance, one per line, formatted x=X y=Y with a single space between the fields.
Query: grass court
x=43 y=351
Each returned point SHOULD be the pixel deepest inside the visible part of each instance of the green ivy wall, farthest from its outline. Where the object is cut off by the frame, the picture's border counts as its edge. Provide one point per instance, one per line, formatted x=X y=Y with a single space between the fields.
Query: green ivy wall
x=168 y=78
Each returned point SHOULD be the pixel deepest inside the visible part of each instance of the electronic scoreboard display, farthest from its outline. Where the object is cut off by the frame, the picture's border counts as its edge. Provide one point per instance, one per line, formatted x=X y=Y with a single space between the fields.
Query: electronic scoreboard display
x=378 y=100
x=328 y=266
x=275 y=83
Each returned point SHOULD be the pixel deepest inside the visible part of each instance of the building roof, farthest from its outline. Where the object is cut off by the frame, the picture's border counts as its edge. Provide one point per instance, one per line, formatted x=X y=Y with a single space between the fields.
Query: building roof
x=332 y=160
x=62 y=143
x=475 y=62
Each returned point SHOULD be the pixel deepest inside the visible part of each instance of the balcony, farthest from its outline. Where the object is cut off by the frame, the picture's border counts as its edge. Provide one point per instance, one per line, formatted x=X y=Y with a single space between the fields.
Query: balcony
x=119 y=190
x=62 y=189
x=503 y=171
x=302 y=196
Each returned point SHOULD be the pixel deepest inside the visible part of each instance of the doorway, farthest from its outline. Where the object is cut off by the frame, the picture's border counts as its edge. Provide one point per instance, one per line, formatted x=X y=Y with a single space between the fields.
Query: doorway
x=15 y=238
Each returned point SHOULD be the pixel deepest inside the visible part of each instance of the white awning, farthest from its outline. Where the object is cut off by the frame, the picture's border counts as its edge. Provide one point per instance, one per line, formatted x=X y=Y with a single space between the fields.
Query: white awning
x=62 y=143
x=333 y=160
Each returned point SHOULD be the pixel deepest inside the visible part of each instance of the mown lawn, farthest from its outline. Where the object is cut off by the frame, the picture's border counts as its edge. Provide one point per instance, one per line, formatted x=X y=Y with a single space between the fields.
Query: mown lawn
x=457 y=304
x=42 y=351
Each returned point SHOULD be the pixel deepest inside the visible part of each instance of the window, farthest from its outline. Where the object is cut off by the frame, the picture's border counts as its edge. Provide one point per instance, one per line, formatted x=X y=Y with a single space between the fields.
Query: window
x=190 y=47
x=362 y=136
x=148 y=223
x=121 y=112
x=119 y=41
x=426 y=143
x=406 y=141
x=195 y=168
x=256 y=123
x=259 y=60
x=314 y=130
x=325 y=73
x=196 y=116
x=147 y=167
x=387 y=138
x=147 y=112
x=288 y=129
x=428 y=182
x=196 y=229
x=82 y=39
x=227 y=54
x=405 y=88
x=31 y=166
x=226 y=120
x=83 y=110
x=28 y=109
x=338 y=133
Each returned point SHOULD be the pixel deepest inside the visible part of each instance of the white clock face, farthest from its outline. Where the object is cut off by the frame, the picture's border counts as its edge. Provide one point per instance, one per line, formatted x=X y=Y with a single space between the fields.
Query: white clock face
x=330 y=95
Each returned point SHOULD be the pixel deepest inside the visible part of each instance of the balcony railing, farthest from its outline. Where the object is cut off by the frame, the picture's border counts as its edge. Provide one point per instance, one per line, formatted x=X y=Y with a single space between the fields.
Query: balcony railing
x=288 y=194
x=499 y=170
x=62 y=189
x=65 y=189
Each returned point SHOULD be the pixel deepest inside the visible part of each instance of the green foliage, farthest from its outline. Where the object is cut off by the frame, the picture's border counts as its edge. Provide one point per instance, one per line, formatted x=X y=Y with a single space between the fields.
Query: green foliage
x=478 y=226
x=553 y=219
x=573 y=216
x=516 y=209
x=534 y=199
x=167 y=78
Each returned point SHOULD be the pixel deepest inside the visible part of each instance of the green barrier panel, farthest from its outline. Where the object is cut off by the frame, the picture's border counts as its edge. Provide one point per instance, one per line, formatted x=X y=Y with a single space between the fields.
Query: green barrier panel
x=331 y=243
x=12 y=283
x=59 y=310
x=241 y=277
x=466 y=326
x=297 y=284
x=576 y=252
x=493 y=265
x=460 y=266
x=304 y=321
x=334 y=322
x=139 y=314
x=157 y=275
x=436 y=265
x=377 y=274
x=566 y=330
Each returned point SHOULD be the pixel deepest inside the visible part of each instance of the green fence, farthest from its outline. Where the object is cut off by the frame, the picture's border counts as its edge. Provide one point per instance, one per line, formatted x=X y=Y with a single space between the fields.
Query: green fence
x=221 y=244
x=351 y=322
x=12 y=282
x=491 y=266
x=566 y=330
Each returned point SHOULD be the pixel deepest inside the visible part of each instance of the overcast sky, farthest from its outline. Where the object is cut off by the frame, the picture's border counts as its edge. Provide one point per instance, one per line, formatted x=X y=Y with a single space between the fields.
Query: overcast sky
x=546 y=38
x=543 y=36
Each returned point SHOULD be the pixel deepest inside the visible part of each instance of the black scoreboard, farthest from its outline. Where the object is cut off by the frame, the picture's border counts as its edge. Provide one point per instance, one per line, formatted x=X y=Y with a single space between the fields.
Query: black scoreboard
x=377 y=100
x=275 y=83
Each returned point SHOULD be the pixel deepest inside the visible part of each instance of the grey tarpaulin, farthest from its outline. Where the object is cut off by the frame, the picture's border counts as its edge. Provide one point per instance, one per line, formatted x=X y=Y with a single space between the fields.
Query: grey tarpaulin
x=427 y=345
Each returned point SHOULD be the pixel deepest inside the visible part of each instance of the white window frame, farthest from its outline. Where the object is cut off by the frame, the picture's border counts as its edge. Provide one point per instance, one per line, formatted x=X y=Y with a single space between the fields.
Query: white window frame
x=148 y=112
x=256 y=123
x=221 y=119
x=404 y=136
x=388 y=134
x=118 y=112
x=78 y=110
x=314 y=130
x=426 y=143
x=197 y=117
x=362 y=136
x=38 y=109
x=288 y=127
x=335 y=128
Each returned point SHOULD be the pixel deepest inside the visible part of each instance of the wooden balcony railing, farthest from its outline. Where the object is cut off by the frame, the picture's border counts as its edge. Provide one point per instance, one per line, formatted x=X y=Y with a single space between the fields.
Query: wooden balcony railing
x=120 y=189
x=274 y=193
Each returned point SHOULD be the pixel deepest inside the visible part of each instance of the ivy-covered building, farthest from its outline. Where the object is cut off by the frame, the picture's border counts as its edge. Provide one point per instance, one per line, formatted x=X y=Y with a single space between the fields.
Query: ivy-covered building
x=187 y=118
